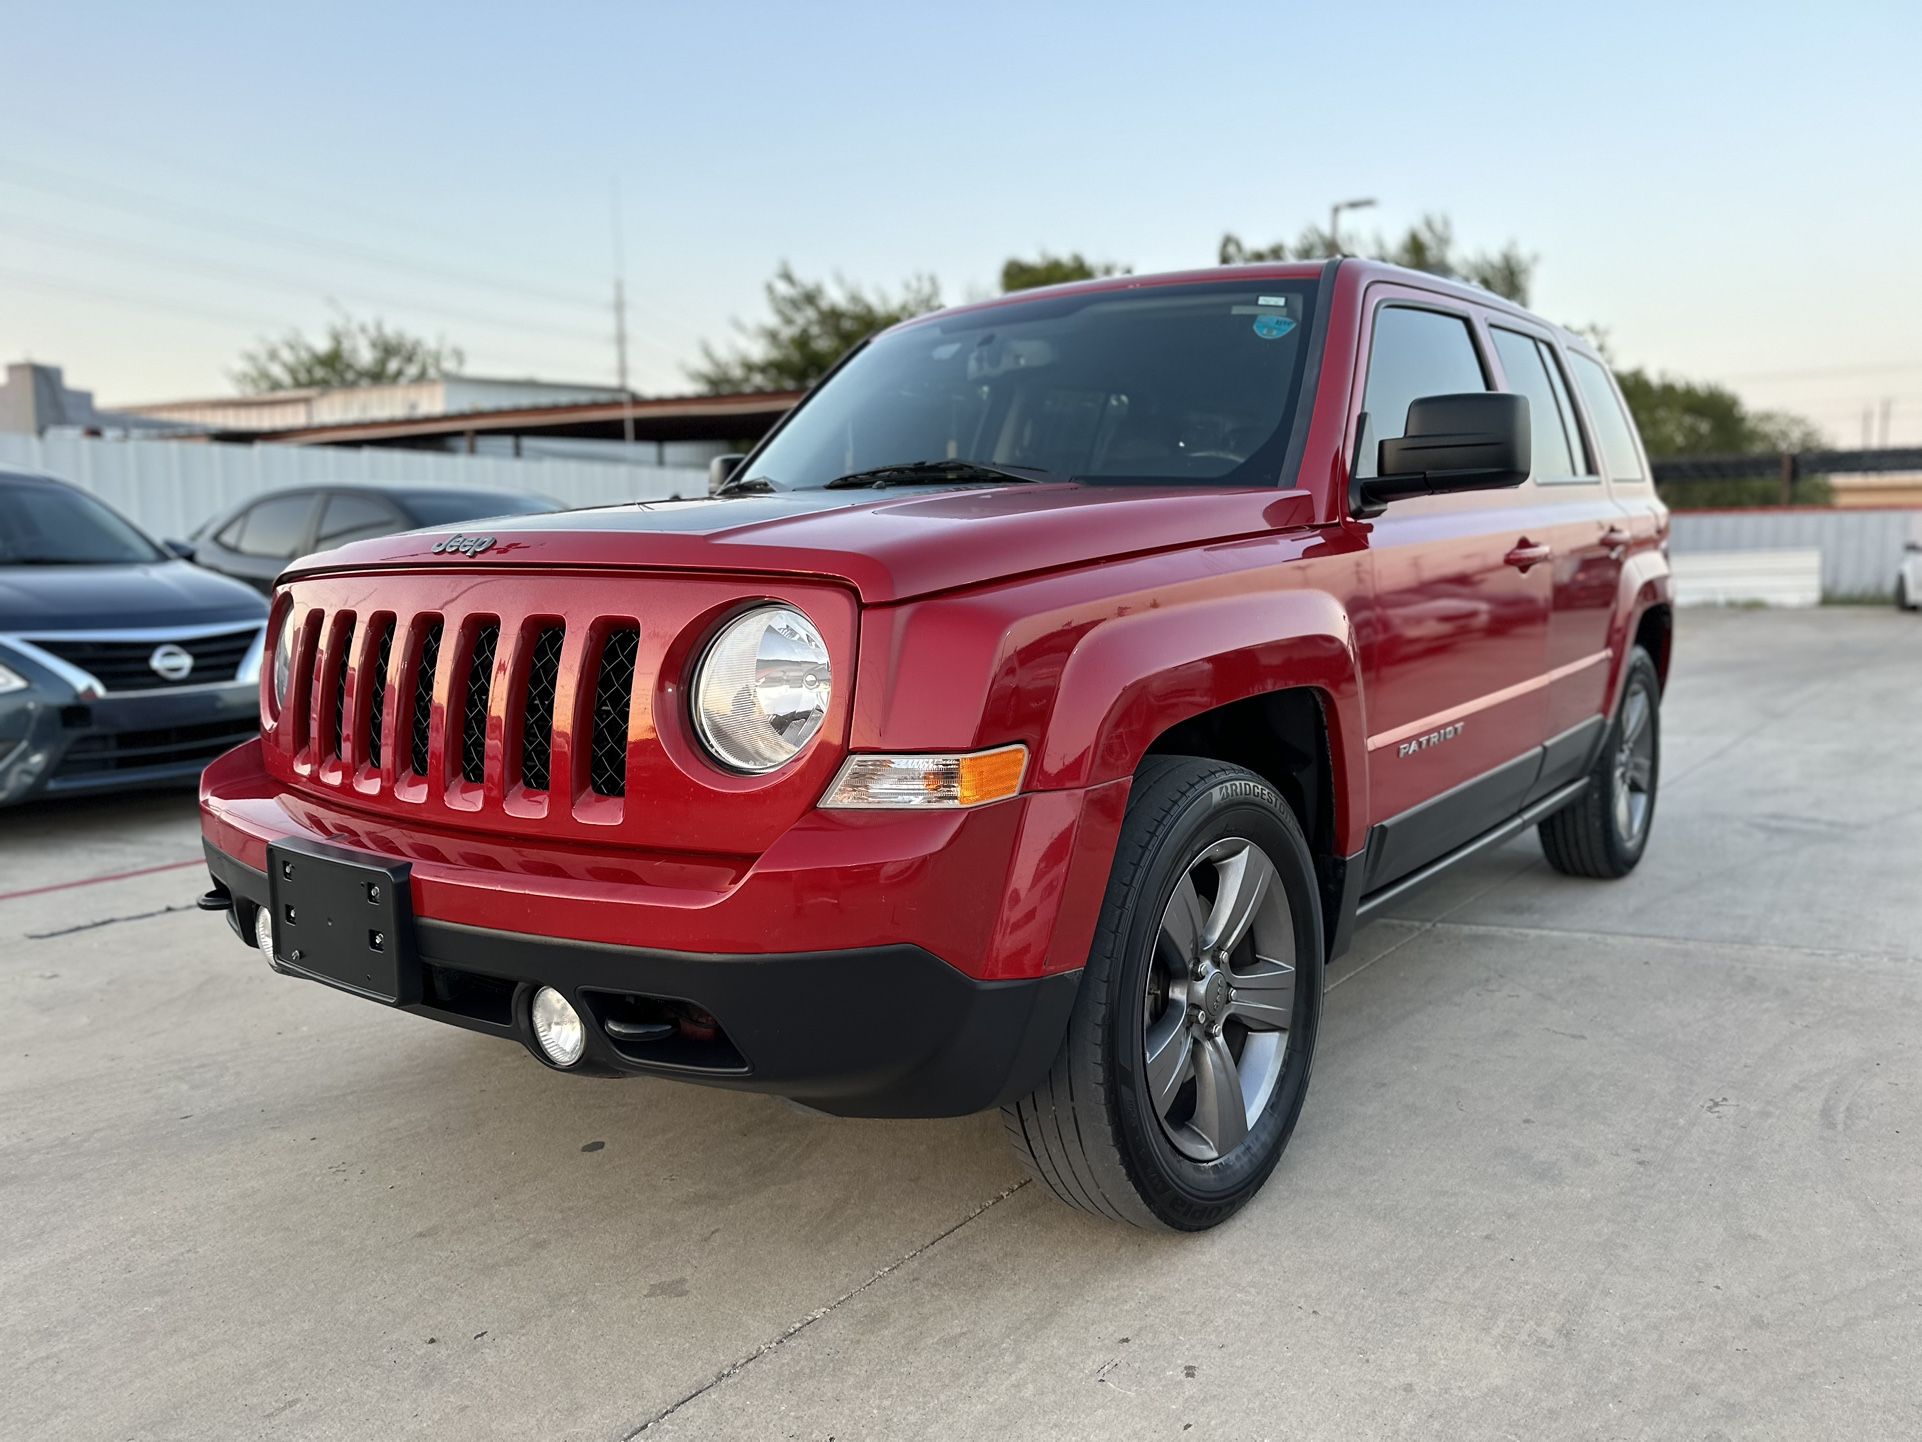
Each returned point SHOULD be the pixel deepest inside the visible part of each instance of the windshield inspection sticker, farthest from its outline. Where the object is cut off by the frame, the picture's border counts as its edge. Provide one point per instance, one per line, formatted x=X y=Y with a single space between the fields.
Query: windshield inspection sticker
x=1273 y=327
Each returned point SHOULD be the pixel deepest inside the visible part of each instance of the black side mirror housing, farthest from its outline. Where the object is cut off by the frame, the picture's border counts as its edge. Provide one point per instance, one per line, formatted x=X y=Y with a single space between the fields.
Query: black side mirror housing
x=1474 y=442
x=719 y=469
x=181 y=550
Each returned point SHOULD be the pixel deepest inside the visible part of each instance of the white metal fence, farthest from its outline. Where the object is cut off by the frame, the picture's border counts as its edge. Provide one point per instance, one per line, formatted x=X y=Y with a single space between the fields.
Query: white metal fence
x=170 y=487
x=1861 y=550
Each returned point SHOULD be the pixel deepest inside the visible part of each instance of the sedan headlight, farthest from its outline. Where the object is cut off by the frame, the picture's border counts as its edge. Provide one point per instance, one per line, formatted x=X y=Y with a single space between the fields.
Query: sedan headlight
x=762 y=689
x=283 y=674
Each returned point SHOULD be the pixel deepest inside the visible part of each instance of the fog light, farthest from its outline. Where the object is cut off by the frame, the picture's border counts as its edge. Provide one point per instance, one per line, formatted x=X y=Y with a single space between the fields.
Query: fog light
x=557 y=1027
x=264 y=932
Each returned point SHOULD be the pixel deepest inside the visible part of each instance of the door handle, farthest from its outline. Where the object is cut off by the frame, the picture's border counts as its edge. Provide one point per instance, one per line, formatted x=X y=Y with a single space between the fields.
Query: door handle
x=1526 y=553
x=1616 y=539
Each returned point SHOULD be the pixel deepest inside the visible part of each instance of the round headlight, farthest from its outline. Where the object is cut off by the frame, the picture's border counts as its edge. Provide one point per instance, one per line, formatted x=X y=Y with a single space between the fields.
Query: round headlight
x=283 y=675
x=762 y=689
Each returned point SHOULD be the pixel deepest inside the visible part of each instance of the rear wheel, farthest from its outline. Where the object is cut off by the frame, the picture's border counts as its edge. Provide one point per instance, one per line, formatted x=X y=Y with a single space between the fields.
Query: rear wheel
x=1186 y=1059
x=1604 y=831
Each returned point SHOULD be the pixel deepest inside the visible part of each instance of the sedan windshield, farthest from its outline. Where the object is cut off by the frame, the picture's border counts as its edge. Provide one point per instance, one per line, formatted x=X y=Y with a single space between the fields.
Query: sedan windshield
x=1189 y=384
x=53 y=526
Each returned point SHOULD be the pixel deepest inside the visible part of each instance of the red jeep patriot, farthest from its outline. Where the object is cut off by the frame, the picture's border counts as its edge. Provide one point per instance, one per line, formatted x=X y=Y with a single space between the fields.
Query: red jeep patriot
x=1025 y=723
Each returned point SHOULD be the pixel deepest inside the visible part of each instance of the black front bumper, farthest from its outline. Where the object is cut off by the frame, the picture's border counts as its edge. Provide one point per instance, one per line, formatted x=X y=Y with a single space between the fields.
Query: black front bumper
x=888 y=1031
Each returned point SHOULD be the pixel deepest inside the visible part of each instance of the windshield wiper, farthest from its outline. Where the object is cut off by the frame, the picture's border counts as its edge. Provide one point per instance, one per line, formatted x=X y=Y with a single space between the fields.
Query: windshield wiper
x=933 y=473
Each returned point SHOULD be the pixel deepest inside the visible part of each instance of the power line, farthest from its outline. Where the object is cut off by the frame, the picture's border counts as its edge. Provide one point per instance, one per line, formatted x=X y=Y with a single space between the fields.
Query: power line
x=147 y=207
x=1813 y=372
x=177 y=260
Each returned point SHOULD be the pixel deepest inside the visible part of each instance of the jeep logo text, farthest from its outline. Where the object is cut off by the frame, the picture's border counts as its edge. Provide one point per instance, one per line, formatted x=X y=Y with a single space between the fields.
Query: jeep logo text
x=459 y=545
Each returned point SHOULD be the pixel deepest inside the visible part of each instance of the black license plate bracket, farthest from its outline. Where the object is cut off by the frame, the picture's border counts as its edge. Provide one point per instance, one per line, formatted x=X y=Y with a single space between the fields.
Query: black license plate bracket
x=345 y=918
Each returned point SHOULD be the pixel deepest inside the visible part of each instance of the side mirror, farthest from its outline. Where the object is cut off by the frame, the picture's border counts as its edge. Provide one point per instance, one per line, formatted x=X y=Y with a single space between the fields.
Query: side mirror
x=1474 y=442
x=181 y=550
x=719 y=469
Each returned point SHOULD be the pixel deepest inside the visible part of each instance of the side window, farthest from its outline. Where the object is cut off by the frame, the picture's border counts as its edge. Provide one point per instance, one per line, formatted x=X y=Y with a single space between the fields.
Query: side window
x=1527 y=369
x=275 y=528
x=1558 y=381
x=1613 y=433
x=351 y=517
x=1414 y=353
x=230 y=533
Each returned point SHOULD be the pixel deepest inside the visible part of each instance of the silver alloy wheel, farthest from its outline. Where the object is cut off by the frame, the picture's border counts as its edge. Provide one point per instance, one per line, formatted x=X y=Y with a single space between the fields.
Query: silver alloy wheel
x=1220 y=996
x=1635 y=764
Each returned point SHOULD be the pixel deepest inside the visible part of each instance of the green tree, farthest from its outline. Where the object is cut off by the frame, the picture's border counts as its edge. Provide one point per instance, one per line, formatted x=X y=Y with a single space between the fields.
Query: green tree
x=1047 y=269
x=812 y=325
x=1699 y=418
x=350 y=353
x=1427 y=245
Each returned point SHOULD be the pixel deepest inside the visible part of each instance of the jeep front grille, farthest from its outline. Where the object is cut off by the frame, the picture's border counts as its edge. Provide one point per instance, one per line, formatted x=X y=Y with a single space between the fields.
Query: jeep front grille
x=376 y=679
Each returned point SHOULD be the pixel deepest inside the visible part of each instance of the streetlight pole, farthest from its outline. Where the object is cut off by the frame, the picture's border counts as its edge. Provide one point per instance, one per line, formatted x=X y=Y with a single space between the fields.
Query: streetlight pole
x=1334 y=219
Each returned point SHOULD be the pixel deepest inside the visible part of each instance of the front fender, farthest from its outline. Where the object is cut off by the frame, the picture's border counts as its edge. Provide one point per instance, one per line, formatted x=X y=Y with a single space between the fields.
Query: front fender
x=1132 y=678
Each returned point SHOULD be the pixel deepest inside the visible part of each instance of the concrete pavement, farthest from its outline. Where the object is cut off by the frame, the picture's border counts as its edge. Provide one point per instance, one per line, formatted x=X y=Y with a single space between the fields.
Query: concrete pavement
x=1579 y=1160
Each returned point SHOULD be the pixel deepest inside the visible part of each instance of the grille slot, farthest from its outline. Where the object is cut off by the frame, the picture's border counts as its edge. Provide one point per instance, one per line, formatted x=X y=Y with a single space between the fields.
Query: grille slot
x=480 y=682
x=537 y=708
x=336 y=741
x=613 y=691
x=424 y=695
x=377 y=708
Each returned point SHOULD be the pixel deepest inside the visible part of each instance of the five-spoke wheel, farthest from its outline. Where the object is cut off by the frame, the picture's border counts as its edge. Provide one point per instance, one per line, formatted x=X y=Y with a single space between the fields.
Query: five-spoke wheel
x=1220 y=993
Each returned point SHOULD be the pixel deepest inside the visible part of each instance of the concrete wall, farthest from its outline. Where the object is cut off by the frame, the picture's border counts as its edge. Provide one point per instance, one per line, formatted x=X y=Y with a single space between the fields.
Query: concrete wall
x=170 y=487
x=1861 y=549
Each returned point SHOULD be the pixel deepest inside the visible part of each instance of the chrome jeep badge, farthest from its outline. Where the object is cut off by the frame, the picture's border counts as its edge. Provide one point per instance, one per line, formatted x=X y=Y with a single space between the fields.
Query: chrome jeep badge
x=459 y=545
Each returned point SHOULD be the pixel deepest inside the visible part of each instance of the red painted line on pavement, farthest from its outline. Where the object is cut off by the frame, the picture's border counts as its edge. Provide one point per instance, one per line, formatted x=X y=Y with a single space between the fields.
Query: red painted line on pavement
x=96 y=880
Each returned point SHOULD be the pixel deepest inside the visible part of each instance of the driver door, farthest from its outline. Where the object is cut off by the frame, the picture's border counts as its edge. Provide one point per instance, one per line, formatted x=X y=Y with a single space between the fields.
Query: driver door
x=1456 y=628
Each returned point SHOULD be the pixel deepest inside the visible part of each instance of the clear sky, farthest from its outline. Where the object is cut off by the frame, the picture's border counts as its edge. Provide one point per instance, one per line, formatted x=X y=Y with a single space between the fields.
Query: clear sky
x=1733 y=191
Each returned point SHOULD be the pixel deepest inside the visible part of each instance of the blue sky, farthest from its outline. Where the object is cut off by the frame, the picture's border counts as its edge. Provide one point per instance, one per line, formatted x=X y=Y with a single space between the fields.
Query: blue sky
x=1734 y=192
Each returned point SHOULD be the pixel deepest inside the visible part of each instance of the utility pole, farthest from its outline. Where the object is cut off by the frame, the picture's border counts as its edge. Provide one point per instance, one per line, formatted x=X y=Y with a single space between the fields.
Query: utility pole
x=1882 y=431
x=1334 y=219
x=620 y=322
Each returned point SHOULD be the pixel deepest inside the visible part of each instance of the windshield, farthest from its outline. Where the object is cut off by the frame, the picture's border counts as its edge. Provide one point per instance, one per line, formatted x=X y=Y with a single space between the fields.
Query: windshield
x=53 y=526
x=1191 y=384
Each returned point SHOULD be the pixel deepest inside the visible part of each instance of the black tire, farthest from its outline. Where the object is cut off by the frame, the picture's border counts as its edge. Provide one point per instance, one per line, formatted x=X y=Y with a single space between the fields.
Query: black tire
x=1587 y=837
x=1090 y=1132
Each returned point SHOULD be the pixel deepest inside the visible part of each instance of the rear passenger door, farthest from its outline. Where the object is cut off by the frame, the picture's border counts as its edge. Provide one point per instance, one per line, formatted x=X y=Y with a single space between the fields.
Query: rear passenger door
x=1455 y=631
x=1584 y=528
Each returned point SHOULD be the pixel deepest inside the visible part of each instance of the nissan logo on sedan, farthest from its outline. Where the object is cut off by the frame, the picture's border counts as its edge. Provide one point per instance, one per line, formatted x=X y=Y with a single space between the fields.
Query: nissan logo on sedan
x=171 y=662
x=459 y=545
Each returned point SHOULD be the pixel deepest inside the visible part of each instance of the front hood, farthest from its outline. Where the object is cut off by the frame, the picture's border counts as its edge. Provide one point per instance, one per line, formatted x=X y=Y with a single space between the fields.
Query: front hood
x=37 y=599
x=889 y=546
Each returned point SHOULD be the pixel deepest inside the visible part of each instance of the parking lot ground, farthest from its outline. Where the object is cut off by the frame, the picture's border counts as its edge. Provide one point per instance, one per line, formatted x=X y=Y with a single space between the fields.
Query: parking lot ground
x=1580 y=1159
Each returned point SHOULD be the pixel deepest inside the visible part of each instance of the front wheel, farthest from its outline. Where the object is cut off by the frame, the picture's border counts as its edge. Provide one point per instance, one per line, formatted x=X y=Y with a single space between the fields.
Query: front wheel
x=1186 y=1059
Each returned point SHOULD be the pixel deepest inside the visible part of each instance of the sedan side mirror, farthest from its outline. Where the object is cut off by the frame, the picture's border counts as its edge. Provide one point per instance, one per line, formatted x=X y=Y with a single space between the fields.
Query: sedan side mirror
x=182 y=550
x=719 y=469
x=1474 y=442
